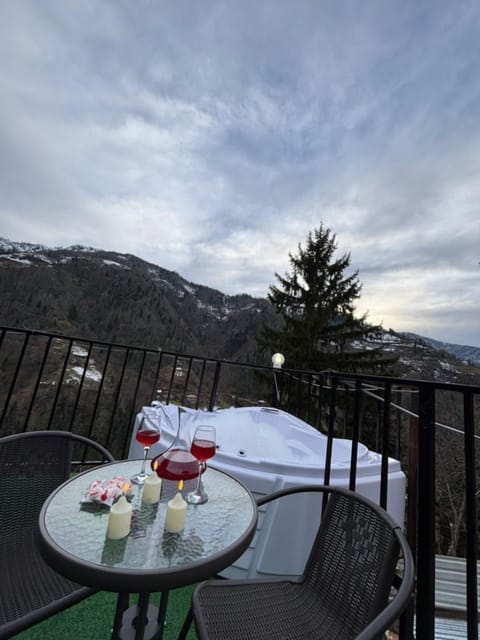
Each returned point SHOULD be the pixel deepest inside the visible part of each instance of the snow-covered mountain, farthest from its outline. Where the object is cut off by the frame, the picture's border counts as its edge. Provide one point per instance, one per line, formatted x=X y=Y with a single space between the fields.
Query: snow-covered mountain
x=110 y=296
x=465 y=353
x=118 y=297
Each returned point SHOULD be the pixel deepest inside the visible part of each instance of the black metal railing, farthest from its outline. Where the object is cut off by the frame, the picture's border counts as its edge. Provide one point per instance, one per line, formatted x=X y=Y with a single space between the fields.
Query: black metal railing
x=96 y=388
x=434 y=429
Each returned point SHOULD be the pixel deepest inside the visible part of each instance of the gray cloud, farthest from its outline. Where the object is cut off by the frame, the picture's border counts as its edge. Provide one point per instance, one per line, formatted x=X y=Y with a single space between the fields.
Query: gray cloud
x=211 y=137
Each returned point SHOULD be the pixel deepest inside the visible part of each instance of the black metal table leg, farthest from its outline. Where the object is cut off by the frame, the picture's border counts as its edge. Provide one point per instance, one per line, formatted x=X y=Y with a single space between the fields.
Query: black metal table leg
x=142 y=621
x=123 y=602
x=162 y=612
x=186 y=625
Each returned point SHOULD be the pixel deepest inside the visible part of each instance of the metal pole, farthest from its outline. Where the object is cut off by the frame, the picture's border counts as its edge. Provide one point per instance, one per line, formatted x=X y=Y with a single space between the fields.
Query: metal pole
x=426 y=514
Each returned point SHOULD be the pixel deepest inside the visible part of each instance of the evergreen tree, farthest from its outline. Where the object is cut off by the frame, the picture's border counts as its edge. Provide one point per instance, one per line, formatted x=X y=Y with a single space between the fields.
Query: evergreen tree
x=316 y=301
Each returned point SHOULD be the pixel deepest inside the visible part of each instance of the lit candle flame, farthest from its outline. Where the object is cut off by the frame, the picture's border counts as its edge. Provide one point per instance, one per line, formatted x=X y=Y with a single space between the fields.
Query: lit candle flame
x=155 y=465
x=180 y=485
x=125 y=488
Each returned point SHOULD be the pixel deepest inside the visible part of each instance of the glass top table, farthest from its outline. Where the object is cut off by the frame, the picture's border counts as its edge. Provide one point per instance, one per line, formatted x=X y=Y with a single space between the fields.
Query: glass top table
x=73 y=535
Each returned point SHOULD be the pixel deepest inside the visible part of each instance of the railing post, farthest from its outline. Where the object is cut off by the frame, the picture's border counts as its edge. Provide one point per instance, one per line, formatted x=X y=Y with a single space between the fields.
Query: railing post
x=412 y=479
x=26 y=338
x=332 y=383
x=406 y=621
x=471 y=521
x=426 y=514
x=385 y=445
x=277 y=388
x=357 y=419
x=213 y=393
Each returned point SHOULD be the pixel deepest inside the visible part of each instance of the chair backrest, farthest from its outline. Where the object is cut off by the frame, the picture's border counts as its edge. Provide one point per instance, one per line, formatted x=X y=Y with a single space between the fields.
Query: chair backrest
x=353 y=559
x=352 y=563
x=32 y=465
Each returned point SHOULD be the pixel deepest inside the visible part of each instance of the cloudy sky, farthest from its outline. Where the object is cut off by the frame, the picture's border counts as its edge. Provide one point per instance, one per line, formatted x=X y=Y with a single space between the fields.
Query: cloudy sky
x=209 y=137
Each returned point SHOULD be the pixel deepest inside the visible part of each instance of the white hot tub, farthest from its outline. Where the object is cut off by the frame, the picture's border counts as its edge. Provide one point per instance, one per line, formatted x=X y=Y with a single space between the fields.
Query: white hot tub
x=268 y=449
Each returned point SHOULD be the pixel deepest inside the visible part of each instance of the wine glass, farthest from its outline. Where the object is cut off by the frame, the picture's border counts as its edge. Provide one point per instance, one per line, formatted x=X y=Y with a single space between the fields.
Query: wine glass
x=148 y=433
x=203 y=447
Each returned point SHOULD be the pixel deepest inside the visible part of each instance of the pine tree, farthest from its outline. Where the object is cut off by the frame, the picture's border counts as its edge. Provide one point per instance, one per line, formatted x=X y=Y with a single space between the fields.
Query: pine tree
x=316 y=301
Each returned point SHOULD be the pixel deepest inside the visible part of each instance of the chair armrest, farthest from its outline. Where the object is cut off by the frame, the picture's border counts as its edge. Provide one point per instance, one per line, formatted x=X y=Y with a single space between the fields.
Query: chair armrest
x=304 y=488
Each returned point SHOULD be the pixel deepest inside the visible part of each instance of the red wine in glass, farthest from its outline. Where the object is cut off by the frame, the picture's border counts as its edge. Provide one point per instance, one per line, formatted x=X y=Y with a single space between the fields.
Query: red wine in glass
x=203 y=448
x=146 y=437
x=148 y=433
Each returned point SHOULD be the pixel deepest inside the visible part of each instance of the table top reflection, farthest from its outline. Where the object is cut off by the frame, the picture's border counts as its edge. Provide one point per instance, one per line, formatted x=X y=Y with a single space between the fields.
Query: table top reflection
x=73 y=535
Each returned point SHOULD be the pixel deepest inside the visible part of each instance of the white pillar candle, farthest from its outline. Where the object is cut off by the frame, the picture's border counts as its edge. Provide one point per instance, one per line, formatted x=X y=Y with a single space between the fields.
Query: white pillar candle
x=151 y=489
x=120 y=519
x=176 y=512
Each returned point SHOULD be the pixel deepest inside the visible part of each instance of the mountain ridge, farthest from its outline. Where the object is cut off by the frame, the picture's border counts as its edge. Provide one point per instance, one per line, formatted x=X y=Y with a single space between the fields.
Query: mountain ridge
x=115 y=297
x=466 y=353
x=119 y=297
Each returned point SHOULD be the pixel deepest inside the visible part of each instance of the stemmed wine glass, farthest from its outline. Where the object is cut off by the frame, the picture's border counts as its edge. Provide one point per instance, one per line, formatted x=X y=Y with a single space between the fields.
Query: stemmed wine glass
x=203 y=448
x=148 y=433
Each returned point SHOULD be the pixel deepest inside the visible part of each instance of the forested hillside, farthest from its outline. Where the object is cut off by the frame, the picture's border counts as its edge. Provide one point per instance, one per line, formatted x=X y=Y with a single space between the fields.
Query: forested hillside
x=115 y=297
x=121 y=298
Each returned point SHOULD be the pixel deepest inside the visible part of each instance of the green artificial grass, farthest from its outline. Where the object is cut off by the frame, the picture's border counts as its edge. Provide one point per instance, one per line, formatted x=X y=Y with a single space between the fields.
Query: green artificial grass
x=92 y=618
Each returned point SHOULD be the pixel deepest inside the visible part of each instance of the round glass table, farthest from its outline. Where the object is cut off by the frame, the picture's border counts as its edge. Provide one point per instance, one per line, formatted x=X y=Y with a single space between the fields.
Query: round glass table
x=73 y=541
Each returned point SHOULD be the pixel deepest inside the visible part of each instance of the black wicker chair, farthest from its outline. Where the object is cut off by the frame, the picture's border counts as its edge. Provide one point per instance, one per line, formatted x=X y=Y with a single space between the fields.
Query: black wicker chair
x=344 y=592
x=32 y=465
